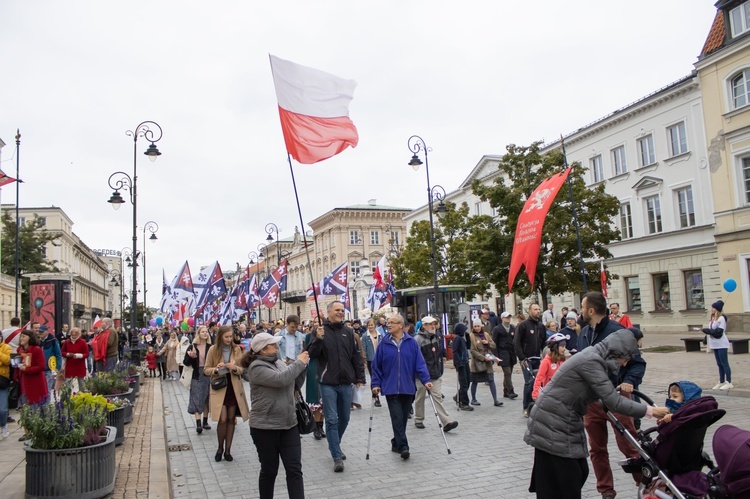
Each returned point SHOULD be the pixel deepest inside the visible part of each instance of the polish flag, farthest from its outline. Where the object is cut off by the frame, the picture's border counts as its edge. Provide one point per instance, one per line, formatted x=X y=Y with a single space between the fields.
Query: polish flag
x=314 y=111
x=5 y=179
x=603 y=280
x=97 y=322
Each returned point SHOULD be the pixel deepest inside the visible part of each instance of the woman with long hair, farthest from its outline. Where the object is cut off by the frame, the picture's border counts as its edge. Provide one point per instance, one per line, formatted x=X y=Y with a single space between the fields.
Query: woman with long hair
x=273 y=419
x=33 y=380
x=719 y=343
x=200 y=385
x=223 y=360
x=160 y=347
x=172 y=367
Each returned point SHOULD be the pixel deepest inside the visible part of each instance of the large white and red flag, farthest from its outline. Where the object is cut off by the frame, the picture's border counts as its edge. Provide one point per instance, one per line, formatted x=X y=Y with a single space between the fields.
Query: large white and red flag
x=314 y=111
x=529 y=229
x=5 y=179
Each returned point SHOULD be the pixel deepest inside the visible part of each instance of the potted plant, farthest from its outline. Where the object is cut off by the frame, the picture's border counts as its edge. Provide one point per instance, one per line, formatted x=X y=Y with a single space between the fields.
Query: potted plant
x=111 y=384
x=69 y=435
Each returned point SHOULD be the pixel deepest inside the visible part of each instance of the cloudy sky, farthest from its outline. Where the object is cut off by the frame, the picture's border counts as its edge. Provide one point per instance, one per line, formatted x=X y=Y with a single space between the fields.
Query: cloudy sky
x=469 y=77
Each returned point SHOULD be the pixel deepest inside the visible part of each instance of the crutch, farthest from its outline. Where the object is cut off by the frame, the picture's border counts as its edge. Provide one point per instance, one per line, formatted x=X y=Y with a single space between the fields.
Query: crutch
x=369 y=432
x=440 y=423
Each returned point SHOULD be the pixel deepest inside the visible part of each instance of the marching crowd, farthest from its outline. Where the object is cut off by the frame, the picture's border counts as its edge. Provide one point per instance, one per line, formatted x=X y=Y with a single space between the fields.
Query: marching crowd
x=567 y=370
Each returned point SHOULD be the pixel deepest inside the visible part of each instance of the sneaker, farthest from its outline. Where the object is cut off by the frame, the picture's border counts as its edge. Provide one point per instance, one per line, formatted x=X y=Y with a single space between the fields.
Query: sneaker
x=4 y=432
x=419 y=425
x=450 y=426
x=512 y=395
x=11 y=420
x=338 y=466
x=718 y=386
x=475 y=402
x=726 y=386
x=465 y=407
x=526 y=413
x=498 y=403
x=405 y=455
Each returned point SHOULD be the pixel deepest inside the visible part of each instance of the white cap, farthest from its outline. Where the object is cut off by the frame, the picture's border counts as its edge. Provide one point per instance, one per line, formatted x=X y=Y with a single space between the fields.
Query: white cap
x=505 y=314
x=262 y=340
x=571 y=315
x=428 y=319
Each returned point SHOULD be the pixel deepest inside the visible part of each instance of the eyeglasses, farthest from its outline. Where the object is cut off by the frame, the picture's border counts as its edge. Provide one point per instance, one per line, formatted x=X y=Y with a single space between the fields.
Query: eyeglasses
x=393 y=323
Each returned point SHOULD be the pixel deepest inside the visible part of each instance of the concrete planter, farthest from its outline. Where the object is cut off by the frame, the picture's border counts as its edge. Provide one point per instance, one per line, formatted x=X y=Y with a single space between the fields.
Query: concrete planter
x=128 y=416
x=116 y=419
x=130 y=395
x=136 y=387
x=83 y=473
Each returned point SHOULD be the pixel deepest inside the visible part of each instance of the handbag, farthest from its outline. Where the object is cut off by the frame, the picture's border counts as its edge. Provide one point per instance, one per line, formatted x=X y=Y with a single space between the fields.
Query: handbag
x=305 y=419
x=480 y=367
x=187 y=376
x=218 y=383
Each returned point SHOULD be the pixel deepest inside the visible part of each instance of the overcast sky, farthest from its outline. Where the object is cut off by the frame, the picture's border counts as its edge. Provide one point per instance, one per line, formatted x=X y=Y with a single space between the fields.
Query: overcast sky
x=469 y=77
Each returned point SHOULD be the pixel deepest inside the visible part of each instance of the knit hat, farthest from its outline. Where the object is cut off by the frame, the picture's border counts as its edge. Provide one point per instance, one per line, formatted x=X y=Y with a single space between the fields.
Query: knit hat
x=460 y=329
x=477 y=322
x=719 y=305
x=571 y=315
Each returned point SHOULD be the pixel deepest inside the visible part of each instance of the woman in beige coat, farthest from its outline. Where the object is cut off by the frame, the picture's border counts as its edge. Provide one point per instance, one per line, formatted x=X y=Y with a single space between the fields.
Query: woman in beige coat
x=171 y=350
x=223 y=359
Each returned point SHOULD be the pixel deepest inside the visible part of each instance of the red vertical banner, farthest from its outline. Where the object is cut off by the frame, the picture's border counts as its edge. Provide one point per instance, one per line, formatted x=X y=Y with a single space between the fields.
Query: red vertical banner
x=603 y=280
x=528 y=238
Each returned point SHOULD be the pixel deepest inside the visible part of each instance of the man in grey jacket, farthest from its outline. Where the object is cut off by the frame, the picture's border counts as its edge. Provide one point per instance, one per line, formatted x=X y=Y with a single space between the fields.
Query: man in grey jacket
x=556 y=429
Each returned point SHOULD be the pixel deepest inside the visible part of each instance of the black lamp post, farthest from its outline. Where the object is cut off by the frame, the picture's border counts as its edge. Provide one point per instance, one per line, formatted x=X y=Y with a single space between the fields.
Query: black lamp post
x=124 y=181
x=116 y=282
x=417 y=144
x=153 y=228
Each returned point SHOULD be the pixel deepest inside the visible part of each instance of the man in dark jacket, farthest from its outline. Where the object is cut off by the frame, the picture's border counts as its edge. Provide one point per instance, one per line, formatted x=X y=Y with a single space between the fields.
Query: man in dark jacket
x=397 y=363
x=432 y=351
x=461 y=363
x=528 y=342
x=340 y=365
x=503 y=335
x=598 y=327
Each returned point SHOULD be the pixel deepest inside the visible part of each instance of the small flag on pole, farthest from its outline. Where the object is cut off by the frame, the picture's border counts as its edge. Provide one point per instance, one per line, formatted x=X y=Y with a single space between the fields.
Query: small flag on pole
x=603 y=280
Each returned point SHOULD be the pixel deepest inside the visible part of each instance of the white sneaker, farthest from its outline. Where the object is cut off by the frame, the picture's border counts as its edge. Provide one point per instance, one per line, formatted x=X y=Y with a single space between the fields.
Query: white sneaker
x=4 y=432
x=718 y=386
x=726 y=386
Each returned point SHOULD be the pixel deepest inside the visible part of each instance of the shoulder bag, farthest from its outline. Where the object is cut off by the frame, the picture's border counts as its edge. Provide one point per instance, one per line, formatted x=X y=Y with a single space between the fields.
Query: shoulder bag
x=305 y=419
x=218 y=383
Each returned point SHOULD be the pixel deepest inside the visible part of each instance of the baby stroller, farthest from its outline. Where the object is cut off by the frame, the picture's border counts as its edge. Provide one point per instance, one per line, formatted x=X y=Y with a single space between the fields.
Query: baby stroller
x=732 y=451
x=671 y=463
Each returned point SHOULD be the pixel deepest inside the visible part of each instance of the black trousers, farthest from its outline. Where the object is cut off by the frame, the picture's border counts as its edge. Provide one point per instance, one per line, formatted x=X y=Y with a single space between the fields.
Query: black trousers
x=555 y=477
x=271 y=444
x=399 y=407
x=463 y=373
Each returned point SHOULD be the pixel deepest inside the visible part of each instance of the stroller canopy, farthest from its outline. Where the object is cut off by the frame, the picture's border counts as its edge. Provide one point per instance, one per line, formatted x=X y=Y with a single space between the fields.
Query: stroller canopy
x=731 y=447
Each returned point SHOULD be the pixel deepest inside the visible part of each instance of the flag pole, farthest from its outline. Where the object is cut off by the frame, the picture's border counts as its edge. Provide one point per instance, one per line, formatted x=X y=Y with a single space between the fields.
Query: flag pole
x=575 y=219
x=304 y=238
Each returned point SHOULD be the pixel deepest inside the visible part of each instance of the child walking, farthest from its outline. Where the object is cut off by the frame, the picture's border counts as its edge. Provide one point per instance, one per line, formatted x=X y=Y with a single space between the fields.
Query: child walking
x=549 y=365
x=151 y=362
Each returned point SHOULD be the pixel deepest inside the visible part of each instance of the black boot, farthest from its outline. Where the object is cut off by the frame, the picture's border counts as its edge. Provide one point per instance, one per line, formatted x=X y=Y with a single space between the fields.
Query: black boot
x=206 y=426
x=322 y=426
x=198 y=427
x=316 y=432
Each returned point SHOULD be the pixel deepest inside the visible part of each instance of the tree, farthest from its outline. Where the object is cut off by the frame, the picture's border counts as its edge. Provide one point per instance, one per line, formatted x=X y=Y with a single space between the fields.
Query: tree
x=140 y=312
x=413 y=267
x=32 y=257
x=558 y=269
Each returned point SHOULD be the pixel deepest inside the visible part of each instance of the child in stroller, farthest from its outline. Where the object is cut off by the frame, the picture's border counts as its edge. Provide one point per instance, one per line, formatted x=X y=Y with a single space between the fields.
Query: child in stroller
x=674 y=460
x=679 y=393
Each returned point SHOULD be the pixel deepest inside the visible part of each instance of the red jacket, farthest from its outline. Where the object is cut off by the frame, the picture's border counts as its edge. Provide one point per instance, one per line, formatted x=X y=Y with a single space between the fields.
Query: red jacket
x=75 y=368
x=151 y=360
x=547 y=369
x=33 y=380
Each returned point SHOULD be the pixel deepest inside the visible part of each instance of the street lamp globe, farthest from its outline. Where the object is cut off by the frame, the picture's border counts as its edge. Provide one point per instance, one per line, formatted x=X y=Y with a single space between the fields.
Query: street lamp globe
x=116 y=200
x=152 y=152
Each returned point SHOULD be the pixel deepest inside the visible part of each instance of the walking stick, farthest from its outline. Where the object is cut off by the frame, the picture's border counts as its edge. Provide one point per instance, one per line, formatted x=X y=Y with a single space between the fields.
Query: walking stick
x=440 y=423
x=369 y=432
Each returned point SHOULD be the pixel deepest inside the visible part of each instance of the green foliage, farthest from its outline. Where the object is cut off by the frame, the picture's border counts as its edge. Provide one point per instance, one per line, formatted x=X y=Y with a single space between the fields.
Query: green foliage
x=72 y=421
x=107 y=384
x=558 y=270
x=32 y=242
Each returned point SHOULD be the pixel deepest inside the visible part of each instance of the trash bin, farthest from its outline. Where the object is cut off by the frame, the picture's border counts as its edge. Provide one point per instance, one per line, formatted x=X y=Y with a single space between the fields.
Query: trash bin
x=449 y=346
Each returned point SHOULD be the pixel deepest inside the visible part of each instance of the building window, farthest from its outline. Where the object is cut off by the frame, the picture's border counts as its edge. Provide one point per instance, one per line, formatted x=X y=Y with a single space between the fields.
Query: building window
x=694 y=289
x=21 y=221
x=618 y=160
x=662 y=303
x=374 y=264
x=746 y=178
x=646 y=148
x=374 y=237
x=597 y=168
x=354 y=237
x=685 y=207
x=653 y=210
x=677 y=139
x=626 y=221
x=739 y=19
x=354 y=268
x=478 y=208
x=394 y=238
x=740 y=90
x=633 y=285
x=42 y=221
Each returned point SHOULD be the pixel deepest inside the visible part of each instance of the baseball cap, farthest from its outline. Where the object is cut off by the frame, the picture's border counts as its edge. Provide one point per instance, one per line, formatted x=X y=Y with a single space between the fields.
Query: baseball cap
x=262 y=340
x=485 y=310
x=428 y=319
x=505 y=314
x=43 y=329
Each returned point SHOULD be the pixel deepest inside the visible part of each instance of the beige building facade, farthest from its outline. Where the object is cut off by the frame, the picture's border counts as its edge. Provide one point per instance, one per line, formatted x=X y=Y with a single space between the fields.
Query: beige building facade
x=724 y=71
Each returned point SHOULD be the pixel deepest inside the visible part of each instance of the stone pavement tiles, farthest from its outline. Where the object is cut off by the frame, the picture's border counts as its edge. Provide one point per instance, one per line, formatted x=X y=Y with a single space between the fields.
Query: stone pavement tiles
x=488 y=459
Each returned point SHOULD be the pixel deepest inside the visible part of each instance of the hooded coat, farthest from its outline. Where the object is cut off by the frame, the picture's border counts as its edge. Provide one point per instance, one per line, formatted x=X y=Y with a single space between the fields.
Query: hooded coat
x=690 y=391
x=556 y=421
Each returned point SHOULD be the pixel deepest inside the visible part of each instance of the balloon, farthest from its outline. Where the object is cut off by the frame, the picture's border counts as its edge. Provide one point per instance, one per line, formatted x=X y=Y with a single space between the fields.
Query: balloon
x=184 y=326
x=159 y=321
x=191 y=322
x=730 y=285
x=152 y=323
x=174 y=323
x=144 y=330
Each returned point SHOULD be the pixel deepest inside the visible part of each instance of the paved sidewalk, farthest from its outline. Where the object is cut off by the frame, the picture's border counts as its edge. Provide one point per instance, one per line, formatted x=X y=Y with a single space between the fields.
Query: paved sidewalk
x=488 y=459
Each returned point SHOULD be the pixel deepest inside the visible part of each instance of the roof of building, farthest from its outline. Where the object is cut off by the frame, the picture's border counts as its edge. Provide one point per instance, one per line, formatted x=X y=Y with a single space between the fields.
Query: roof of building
x=372 y=207
x=716 y=35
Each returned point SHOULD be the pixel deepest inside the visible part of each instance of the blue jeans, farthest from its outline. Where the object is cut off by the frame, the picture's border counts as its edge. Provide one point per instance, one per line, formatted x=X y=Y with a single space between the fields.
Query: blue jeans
x=399 y=407
x=4 y=407
x=51 y=378
x=337 y=401
x=722 y=360
x=528 y=382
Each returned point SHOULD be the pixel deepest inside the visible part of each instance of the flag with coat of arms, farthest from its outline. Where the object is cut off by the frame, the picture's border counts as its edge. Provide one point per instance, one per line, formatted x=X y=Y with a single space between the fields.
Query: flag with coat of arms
x=273 y=285
x=334 y=283
x=382 y=289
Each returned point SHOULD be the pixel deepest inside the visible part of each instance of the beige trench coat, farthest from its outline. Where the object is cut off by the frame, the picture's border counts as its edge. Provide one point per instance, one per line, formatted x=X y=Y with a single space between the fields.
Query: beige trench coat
x=216 y=400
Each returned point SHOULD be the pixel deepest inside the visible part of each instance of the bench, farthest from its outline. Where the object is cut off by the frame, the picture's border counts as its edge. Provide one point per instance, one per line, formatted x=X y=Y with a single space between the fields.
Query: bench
x=739 y=345
x=693 y=344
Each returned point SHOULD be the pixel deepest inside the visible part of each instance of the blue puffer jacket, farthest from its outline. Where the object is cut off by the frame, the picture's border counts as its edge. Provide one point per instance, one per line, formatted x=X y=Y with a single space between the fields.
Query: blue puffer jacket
x=394 y=368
